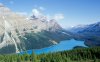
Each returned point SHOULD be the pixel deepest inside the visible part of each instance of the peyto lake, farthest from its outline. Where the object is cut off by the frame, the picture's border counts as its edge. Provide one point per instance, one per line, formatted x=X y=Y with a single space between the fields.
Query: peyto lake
x=63 y=45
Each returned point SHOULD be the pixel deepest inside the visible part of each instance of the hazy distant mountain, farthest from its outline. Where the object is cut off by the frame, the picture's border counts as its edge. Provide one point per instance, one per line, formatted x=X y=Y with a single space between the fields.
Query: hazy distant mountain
x=19 y=33
x=89 y=33
x=77 y=28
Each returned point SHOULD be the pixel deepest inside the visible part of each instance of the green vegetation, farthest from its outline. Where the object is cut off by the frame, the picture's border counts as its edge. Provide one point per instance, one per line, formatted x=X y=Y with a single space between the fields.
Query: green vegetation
x=39 y=40
x=35 y=40
x=75 y=55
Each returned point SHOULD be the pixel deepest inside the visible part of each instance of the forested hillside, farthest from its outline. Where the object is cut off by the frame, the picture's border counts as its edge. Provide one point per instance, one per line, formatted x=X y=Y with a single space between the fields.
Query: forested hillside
x=75 y=55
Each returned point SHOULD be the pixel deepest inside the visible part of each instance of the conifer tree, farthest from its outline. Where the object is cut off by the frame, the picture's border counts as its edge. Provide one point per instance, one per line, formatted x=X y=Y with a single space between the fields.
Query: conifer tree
x=34 y=57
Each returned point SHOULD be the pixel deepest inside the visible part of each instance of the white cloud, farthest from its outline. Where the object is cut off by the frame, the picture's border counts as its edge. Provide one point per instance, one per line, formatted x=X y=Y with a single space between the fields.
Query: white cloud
x=1 y=4
x=22 y=13
x=58 y=16
x=41 y=8
x=36 y=12
x=48 y=17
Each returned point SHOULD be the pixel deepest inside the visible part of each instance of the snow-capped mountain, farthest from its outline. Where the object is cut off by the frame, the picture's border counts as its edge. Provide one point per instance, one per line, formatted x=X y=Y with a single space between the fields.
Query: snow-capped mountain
x=90 y=33
x=86 y=28
x=77 y=28
x=17 y=33
x=93 y=27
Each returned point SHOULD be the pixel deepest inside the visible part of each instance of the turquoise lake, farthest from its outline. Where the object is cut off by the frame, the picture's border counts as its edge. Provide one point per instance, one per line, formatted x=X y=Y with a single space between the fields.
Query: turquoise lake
x=63 y=45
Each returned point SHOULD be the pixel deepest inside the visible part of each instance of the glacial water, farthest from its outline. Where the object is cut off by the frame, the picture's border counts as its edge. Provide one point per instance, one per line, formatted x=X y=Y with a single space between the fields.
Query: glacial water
x=63 y=45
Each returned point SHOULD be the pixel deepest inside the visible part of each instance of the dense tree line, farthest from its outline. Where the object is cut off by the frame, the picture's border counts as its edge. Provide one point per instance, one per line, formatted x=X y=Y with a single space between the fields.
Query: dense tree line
x=75 y=55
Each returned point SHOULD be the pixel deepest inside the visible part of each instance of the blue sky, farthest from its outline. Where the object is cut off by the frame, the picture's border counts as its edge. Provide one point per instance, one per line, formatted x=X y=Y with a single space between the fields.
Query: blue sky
x=69 y=12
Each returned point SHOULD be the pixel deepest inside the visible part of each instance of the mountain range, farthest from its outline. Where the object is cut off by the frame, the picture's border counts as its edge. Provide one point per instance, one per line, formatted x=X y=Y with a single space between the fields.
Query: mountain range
x=89 y=33
x=19 y=33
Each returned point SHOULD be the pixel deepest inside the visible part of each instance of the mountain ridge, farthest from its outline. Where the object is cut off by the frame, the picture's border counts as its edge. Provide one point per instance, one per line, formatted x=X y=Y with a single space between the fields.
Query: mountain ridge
x=17 y=33
x=89 y=33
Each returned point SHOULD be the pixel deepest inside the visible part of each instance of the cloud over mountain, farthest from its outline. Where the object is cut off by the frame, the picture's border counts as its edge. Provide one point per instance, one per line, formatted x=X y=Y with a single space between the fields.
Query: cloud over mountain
x=58 y=17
